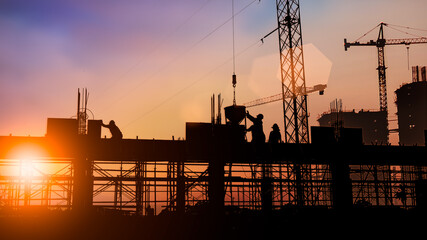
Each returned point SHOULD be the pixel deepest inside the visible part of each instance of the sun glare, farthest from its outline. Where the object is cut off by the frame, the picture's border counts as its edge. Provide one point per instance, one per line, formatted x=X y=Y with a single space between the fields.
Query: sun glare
x=28 y=159
x=27 y=169
x=27 y=151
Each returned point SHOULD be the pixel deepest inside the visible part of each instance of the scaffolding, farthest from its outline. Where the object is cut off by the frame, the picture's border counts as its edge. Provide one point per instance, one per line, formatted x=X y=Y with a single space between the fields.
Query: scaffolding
x=150 y=187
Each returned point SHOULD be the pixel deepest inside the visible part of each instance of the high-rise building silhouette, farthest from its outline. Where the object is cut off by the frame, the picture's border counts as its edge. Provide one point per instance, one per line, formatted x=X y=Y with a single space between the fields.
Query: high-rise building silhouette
x=411 y=101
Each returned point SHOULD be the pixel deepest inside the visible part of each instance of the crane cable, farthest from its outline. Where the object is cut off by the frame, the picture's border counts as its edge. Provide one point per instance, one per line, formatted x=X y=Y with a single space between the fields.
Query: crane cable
x=234 y=57
x=182 y=54
x=190 y=85
x=414 y=35
x=407 y=54
x=394 y=27
x=367 y=32
x=234 y=78
x=416 y=29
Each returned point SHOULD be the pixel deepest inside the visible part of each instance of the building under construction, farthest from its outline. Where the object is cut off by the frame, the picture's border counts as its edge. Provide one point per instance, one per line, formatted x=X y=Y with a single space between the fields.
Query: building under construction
x=373 y=123
x=213 y=172
x=215 y=184
x=411 y=101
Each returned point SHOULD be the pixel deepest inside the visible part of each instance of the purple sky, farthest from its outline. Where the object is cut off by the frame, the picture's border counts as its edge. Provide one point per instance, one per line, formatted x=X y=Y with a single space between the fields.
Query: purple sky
x=152 y=65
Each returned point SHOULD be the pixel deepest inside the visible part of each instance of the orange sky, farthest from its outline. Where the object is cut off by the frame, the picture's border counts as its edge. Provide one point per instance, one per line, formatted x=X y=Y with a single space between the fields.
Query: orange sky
x=153 y=65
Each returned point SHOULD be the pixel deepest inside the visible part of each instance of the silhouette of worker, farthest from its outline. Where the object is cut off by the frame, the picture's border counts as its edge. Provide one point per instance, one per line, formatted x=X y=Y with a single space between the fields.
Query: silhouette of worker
x=114 y=130
x=256 y=129
x=275 y=136
x=401 y=194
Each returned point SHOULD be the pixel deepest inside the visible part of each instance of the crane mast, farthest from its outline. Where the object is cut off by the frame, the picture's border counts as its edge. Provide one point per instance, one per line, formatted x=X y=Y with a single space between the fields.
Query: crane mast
x=292 y=72
x=381 y=70
x=294 y=92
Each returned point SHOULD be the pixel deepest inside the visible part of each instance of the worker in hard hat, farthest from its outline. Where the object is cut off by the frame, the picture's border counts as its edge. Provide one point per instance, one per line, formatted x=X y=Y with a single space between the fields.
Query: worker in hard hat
x=114 y=130
x=275 y=136
x=256 y=129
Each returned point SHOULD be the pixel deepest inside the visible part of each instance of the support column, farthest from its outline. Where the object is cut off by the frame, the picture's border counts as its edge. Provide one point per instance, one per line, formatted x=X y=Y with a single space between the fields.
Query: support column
x=180 y=189
x=139 y=186
x=342 y=196
x=83 y=176
x=266 y=189
x=83 y=184
x=216 y=173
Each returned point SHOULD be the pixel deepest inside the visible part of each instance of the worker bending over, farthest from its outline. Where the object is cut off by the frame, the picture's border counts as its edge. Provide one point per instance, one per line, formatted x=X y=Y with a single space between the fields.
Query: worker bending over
x=114 y=130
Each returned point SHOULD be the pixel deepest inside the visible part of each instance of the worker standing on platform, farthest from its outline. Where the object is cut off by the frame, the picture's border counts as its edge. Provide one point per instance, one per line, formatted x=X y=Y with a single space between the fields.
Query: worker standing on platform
x=275 y=136
x=256 y=128
x=114 y=130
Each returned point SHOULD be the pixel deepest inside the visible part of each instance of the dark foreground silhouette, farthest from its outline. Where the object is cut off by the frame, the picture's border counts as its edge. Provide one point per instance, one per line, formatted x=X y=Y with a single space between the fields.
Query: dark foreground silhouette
x=236 y=224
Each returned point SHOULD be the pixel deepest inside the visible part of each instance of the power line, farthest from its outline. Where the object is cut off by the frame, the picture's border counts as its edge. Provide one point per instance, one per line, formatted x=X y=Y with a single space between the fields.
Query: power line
x=183 y=53
x=158 y=46
x=189 y=85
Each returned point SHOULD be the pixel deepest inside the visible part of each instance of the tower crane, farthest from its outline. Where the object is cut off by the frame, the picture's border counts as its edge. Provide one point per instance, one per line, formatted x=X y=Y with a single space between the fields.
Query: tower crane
x=316 y=88
x=380 y=43
x=294 y=90
x=292 y=72
x=294 y=94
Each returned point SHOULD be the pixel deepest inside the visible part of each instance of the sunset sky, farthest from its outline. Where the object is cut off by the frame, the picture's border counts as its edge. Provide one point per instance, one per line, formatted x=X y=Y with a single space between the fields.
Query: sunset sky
x=152 y=65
